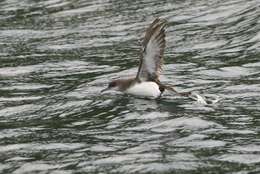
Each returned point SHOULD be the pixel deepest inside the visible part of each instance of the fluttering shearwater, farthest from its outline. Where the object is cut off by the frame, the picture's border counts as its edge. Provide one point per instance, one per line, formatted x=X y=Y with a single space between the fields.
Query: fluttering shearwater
x=147 y=83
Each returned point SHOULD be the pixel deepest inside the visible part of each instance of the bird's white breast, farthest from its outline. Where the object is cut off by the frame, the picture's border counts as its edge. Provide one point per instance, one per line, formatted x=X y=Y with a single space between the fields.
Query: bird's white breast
x=145 y=89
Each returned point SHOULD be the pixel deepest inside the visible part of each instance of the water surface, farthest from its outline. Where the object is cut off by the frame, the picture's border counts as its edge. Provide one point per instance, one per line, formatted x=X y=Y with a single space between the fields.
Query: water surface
x=56 y=56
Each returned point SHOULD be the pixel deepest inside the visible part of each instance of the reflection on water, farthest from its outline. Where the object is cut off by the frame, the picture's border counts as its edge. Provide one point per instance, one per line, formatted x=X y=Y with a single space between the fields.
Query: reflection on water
x=56 y=56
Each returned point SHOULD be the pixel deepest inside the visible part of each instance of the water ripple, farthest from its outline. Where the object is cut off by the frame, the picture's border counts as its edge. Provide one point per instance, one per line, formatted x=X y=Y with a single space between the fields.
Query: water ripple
x=56 y=56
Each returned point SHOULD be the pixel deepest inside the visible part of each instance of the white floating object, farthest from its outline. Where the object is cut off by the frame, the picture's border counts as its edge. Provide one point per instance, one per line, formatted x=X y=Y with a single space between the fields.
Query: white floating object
x=200 y=99
x=205 y=100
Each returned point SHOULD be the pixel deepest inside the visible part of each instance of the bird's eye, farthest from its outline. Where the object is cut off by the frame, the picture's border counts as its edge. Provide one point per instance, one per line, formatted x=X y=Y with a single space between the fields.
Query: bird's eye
x=112 y=84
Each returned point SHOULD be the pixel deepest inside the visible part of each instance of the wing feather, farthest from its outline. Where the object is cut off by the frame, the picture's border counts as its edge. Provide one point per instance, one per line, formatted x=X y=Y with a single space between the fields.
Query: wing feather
x=153 y=47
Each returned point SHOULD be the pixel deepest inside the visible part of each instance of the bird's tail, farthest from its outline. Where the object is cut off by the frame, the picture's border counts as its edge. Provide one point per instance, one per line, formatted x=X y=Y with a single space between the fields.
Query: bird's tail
x=192 y=95
x=170 y=88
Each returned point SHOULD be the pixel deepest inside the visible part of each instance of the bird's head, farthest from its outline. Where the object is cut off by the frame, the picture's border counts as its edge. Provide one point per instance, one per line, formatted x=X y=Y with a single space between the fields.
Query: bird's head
x=113 y=85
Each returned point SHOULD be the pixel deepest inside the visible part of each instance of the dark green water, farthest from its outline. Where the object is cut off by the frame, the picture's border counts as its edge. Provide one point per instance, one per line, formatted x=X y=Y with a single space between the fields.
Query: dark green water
x=56 y=56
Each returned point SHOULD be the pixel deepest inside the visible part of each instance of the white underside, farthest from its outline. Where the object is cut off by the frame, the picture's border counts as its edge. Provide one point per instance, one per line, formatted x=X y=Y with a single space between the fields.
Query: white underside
x=145 y=89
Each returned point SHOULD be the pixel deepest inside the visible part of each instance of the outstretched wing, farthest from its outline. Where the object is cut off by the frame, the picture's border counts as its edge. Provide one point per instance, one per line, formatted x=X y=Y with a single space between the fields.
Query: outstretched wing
x=152 y=52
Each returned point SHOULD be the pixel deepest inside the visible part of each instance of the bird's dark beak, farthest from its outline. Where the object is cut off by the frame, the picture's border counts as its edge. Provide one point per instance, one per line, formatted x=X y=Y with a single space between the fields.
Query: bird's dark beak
x=103 y=90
